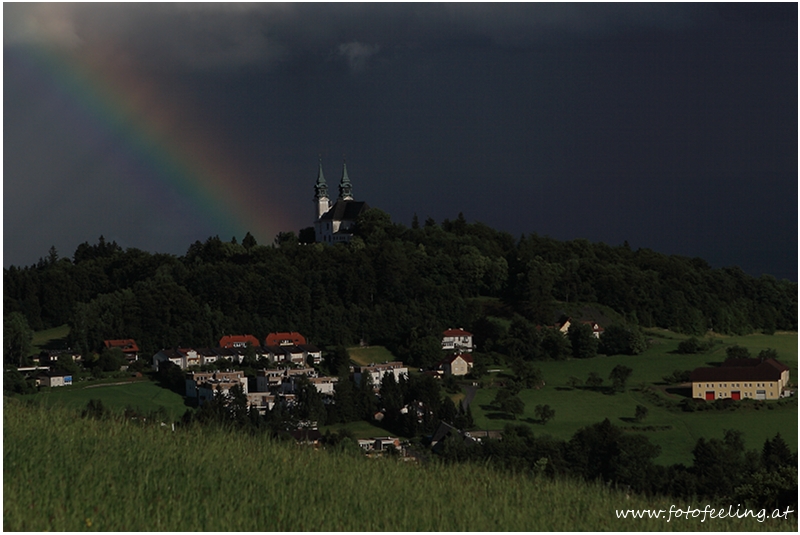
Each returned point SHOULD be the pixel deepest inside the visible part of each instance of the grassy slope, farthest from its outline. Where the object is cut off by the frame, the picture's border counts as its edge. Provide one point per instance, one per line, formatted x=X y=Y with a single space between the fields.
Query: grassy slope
x=64 y=473
x=141 y=394
x=41 y=339
x=578 y=408
x=364 y=356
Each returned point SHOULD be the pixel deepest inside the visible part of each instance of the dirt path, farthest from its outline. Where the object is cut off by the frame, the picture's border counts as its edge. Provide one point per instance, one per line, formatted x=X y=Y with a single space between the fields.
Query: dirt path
x=113 y=384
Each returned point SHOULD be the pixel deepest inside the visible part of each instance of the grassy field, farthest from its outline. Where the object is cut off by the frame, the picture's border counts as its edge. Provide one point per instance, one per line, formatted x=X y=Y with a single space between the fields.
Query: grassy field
x=364 y=356
x=578 y=408
x=50 y=337
x=141 y=394
x=65 y=473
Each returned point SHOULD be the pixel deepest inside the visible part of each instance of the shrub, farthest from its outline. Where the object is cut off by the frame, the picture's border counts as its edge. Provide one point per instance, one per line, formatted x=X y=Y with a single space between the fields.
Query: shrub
x=690 y=346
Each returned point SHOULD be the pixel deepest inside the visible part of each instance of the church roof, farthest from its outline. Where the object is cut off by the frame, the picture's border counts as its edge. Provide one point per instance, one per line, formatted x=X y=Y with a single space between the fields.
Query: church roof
x=345 y=211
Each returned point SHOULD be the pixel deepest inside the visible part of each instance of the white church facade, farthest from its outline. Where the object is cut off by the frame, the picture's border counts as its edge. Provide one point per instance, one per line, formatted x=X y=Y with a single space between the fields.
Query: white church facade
x=335 y=222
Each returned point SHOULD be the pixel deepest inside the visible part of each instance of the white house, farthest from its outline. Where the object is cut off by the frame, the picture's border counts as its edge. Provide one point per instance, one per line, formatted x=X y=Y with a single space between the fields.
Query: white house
x=457 y=340
x=54 y=378
x=377 y=371
x=262 y=401
x=311 y=354
x=324 y=385
x=169 y=355
x=202 y=385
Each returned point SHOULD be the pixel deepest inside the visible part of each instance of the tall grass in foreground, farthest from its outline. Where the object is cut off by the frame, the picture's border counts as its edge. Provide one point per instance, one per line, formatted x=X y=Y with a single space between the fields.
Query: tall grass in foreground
x=65 y=473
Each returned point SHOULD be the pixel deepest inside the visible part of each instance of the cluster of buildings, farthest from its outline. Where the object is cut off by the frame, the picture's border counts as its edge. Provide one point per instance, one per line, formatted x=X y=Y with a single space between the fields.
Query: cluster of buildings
x=735 y=379
x=271 y=386
x=278 y=348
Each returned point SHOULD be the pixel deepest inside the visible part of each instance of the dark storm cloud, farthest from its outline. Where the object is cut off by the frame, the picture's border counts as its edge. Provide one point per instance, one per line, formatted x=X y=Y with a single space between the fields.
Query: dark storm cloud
x=672 y=126
x=227 y=35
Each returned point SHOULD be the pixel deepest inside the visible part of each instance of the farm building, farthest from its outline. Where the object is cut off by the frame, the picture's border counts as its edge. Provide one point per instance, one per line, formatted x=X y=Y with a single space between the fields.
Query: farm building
x=741 y=379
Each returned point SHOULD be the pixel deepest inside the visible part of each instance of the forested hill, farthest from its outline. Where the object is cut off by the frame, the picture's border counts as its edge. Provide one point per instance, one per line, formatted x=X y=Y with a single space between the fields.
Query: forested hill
x=391 y=285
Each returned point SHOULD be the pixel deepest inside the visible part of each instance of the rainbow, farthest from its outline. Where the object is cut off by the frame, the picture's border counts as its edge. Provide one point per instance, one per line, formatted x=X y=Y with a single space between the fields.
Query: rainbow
x=176 y=155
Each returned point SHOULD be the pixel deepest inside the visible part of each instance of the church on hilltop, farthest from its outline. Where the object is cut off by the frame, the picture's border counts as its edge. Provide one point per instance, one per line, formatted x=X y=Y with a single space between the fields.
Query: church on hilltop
x=335 y=223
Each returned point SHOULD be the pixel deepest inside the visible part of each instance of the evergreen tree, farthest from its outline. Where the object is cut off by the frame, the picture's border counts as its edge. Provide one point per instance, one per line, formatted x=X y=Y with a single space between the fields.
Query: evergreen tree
x=583 y=342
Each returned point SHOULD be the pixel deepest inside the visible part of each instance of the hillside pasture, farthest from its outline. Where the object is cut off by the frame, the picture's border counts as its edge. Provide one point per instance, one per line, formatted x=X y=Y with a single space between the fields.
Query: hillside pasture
x=120 y=476
x=675 y=432
x=364 y=356
x=55 y=338
x=140 y=394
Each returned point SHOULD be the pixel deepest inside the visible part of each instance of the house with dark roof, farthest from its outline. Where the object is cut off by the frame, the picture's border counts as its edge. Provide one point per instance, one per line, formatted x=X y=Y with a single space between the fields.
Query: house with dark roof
x=458 y=364
x=741 y=379
x=335 y=223
x=54 y=378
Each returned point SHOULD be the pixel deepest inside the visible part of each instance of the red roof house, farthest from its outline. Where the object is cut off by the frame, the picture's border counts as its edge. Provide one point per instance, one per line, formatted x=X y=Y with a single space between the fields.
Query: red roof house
x=128 y=347
x=285 y=339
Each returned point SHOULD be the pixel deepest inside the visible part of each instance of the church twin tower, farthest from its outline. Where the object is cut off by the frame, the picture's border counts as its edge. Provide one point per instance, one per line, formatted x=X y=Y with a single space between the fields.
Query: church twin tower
x=321 y=199
x=335 y=224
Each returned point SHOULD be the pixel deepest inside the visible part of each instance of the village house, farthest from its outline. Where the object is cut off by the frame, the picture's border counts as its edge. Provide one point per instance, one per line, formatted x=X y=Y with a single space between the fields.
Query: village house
x=379 y=444
x=208 y=355
x=286 y=380
x=377 y=371
x=169 y=355
x=324 y=385
x=458 y=364
x=128 y=347
x=261 y=401
x=457 y=340
x=291 y=347
x=269 y=380
x=203 y=385
x=54 y=378
x=311 y=354
x=741 y=379
x=187 y=357
x=285 y=339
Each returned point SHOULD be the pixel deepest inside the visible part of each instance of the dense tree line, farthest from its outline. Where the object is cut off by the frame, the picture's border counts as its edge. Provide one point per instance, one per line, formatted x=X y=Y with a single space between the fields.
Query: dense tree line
x=392 y=284
x=723 y=470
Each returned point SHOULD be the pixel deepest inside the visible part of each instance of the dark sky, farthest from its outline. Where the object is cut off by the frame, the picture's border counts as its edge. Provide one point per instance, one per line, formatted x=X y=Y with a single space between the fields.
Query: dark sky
x=671 y=126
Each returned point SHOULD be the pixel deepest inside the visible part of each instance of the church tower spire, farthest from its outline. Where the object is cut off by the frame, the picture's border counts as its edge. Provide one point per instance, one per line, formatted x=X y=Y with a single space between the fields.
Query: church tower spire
x=345 y=187
x=321 y=199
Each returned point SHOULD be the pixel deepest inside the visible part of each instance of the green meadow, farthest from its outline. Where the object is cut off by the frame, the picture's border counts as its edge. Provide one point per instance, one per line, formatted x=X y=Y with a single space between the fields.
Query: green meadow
x=677 y=431
x=364 y=356
x=141 y=394
x=65 y=473
x=44 y=339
